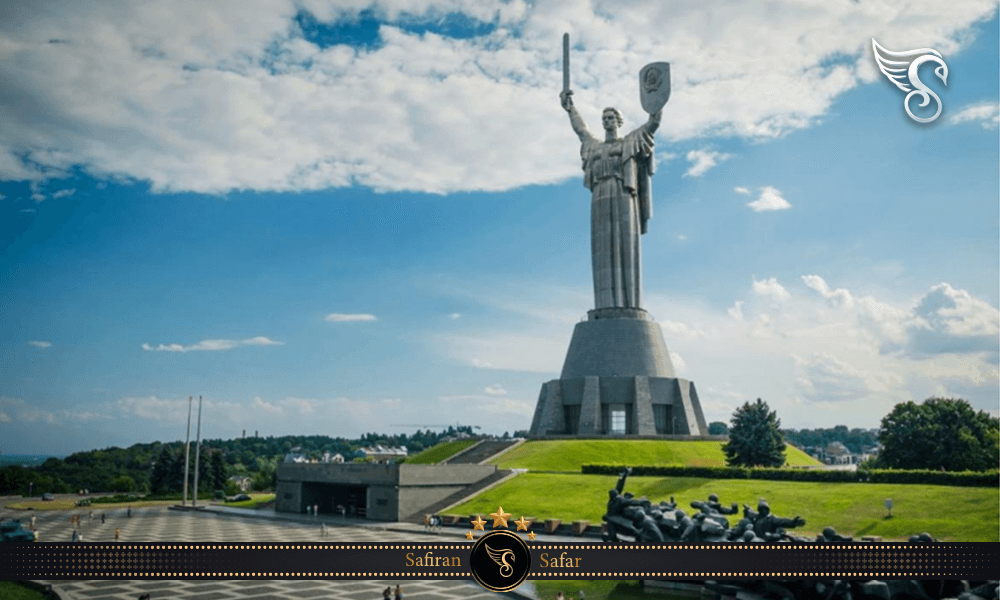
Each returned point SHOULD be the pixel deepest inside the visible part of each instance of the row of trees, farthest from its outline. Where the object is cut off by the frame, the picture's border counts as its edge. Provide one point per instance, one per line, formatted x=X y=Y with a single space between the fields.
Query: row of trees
x=939 y=433
x=159 y=467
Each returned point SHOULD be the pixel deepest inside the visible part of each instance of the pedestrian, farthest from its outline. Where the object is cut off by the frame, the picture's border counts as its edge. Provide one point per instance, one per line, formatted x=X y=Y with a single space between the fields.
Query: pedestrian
x=129 y=513
x=315 y=510
x=36 y=536
x=387 y=593
x=399 y=593
x=102 y=518
x=118 y=532
x=33 y=522
x=91 y=517
x=75 y=537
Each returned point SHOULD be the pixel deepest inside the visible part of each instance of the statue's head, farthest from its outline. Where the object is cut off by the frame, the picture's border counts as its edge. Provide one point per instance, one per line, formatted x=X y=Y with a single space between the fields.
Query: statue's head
x=612 y=494
x=713 y=498
x=612 y=119
x=748 y=536
x=763 y=508
x=829 y=532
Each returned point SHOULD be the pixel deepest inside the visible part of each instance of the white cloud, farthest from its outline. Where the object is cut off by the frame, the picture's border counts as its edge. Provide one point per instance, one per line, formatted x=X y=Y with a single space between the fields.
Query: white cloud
x=703 y=160
x=40 y=344
x=742 y=190
x=211 y=345
x=63 y=194
x=770 y=288
x=769 y=199
x=25 y=412
x=123 y=95
x=946 y=320
x=4 y=417
x=261 y=341
x=350 y=318
x=495 y=390
x=986 y=114
x=838 y=297
x=455 y=316
x=266 y=406
x=27 y=210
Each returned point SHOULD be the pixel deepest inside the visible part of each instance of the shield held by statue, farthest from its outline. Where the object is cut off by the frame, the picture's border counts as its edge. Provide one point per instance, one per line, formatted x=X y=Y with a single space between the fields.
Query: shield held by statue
x=654 y=86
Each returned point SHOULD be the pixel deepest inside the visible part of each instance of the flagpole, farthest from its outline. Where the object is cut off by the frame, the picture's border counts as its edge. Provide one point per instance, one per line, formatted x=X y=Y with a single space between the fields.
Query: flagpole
x=187 y=453
x=197 y=455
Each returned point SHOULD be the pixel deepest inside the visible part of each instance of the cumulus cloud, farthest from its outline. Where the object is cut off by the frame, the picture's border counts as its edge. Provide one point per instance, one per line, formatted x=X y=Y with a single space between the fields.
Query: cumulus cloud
x=211 y=345
x=495 y=390
x=742 y=190
x=350 y=318
x=838 y=297
x=703 y=160
x=63 y=194
x=986 y=114
x=946 y=320
x=770 y=288
x=5 y=418
x=40 y=344
x=113 y=90
x=769 y=199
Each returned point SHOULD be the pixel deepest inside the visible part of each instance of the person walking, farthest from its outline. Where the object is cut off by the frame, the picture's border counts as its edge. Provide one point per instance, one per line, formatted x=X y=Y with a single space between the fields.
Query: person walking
x=102 y=518
x=387 y=593
x=118 y=532
x=75 y=537
x=399 y=593
x=33 y=522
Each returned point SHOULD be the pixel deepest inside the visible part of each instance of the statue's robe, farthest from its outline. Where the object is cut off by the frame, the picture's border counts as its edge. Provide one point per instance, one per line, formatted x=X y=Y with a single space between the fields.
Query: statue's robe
x=618 y=175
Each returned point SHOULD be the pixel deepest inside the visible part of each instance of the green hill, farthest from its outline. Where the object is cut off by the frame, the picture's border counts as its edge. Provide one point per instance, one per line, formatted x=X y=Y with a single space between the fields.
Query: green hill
x=570 y=455
x=436 y=454
x=959 y=514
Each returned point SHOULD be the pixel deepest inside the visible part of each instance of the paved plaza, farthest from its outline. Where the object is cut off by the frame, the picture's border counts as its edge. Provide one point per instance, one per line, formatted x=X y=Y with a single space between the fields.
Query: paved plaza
x=159 y=524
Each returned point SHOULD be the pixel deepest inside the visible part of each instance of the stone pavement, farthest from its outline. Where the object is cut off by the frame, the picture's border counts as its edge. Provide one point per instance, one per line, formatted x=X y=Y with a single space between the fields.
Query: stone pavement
x=159 y=524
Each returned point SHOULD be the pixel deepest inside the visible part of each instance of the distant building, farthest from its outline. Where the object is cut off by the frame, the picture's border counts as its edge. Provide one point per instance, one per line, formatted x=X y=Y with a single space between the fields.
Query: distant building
x=243 y=483
x=332 y=458
x=295 y=455
x=383 y=454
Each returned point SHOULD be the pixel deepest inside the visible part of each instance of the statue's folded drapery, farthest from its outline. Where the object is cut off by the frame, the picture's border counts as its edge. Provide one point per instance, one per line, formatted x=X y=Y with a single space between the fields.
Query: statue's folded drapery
x=618 y=176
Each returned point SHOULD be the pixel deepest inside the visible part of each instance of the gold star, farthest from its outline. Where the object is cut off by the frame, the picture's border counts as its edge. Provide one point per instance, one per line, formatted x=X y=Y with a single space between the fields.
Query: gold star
x=499 y=518
x=522 y=524
x=531 y=535
x=468 y=536
x=478 y=523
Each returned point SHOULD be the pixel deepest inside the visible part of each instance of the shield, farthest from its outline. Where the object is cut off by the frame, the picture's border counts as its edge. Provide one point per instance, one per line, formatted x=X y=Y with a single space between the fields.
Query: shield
x=654 y=86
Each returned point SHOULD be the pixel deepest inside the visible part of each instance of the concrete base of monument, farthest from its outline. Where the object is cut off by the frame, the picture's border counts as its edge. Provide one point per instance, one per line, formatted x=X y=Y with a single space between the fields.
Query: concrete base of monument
x=617 y=381
x=619 y=407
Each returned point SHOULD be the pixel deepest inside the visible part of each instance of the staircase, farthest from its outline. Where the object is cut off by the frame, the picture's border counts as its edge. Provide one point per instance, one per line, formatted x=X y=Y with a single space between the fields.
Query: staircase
x=480 y=452
x=457 y=497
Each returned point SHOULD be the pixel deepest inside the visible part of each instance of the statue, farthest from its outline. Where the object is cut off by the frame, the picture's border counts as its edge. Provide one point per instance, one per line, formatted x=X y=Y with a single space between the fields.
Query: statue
x=770 y=527
x=617 y=171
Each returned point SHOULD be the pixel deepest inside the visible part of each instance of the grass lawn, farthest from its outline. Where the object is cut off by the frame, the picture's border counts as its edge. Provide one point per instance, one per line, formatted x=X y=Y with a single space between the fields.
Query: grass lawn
x=254 y=502
x=956 y=514
x=594 y=589
x=436 y=454
x=11 y=590
x=570 y=455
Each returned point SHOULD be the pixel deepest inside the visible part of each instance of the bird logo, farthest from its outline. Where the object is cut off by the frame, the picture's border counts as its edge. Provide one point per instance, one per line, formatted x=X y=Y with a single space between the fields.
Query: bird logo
x=902 y=69
x=500 y=558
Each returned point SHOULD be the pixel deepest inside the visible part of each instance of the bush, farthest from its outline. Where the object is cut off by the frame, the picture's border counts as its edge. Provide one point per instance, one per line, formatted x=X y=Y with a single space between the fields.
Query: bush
x=114 y=499
x=962 y=479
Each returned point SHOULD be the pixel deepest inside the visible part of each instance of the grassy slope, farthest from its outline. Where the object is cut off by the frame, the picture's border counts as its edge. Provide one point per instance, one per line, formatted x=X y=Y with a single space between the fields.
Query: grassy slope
x=436 y=454
x=10 y=590
x=569 y=455
x=951 y=513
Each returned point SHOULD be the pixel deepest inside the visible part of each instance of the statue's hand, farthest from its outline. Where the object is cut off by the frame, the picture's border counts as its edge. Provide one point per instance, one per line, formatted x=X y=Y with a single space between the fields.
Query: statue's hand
x=566 y=98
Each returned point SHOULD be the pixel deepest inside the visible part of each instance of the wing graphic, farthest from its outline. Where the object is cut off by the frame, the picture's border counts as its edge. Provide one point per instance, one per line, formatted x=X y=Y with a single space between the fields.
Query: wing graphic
x=902 y=69
x=500 y=558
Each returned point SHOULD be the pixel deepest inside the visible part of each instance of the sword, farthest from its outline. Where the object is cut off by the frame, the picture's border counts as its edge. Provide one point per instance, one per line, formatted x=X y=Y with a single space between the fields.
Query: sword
x=565 y=62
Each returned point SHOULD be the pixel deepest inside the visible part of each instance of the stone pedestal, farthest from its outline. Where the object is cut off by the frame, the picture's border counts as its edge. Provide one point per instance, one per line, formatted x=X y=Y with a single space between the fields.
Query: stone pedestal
x=618 y=380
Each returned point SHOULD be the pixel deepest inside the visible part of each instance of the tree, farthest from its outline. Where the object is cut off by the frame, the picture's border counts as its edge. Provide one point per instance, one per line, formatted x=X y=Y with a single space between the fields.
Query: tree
x=123 y=483
x=940 y=433
x=754 y=437
x=718 y=428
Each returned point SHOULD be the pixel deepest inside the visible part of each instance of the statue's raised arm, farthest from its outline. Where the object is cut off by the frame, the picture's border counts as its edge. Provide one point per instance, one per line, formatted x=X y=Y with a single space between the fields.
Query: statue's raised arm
x=566 y=98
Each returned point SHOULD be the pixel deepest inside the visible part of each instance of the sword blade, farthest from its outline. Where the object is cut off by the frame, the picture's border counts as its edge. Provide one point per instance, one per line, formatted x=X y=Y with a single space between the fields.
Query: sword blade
x=565 y=62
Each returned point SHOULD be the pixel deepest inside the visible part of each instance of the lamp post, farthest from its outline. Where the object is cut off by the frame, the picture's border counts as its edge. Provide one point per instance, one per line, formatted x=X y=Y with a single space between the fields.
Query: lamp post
x=187 y=453
x=197 y=454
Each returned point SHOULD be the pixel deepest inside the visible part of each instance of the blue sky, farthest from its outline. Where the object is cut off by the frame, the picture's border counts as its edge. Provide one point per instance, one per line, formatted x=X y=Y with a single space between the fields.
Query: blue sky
x=336 y=219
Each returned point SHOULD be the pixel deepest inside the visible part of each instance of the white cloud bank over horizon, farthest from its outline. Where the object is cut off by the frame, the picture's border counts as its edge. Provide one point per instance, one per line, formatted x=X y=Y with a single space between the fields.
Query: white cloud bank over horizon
x=228 y=95
x=212 y=345
x=806 y=344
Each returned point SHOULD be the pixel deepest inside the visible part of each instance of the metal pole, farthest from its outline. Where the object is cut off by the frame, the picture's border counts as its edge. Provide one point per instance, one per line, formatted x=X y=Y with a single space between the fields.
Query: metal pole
x=197 y=454
x=187 y=453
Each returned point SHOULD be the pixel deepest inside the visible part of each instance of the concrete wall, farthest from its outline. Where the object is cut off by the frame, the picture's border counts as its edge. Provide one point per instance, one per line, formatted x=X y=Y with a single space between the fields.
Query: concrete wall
x=394 y=491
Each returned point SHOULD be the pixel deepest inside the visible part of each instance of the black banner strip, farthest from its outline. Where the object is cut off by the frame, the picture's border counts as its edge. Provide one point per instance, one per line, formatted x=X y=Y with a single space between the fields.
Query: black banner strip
x=971 y=561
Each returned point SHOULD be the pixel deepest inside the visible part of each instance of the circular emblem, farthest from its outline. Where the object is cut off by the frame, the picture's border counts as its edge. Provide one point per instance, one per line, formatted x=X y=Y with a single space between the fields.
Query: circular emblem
x=500 y=561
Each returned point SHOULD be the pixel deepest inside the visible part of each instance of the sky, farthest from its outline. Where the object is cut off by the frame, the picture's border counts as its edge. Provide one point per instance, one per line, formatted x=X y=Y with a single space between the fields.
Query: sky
x=349 y=217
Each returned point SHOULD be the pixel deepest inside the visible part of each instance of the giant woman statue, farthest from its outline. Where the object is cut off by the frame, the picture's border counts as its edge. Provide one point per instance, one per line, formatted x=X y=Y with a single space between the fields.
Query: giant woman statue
x=617 y=171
